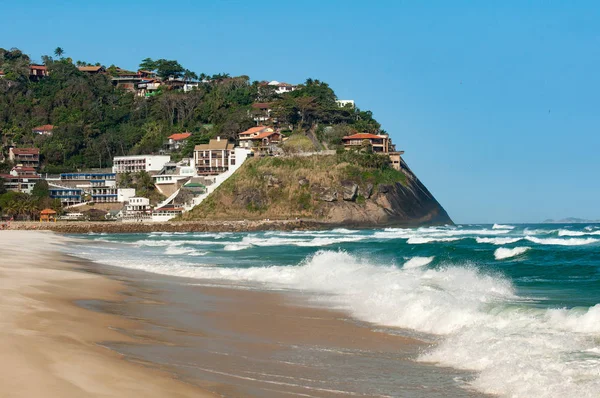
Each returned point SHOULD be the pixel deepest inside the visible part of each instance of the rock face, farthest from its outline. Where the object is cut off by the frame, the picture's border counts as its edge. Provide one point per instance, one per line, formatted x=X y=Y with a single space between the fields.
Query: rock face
x=349 y=190
x=397 y=204
x=323 y=189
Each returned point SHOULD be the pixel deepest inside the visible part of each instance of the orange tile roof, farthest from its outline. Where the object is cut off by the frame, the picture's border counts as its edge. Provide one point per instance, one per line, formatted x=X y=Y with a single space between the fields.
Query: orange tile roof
x=362 y=136
x=262 y=105
x=25 y=151
x=45 y=127
x=180 y=136
x=89 y=68
x=38 y=67
x=264 y=135
x=253 y=130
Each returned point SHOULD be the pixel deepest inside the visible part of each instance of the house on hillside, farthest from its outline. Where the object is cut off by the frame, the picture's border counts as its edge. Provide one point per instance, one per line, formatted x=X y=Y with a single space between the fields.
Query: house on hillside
x=136 y=163
x=36 y=72
x=177 y=141
x=25 y=156
x=214 y=158
x=137 y=209
x=20 y=179
x=281 y=87
x=380 y=143
x=2 y=74
x=261 y=140
x=92 y=70
x=127 y=80
x=147 y=87
x=46 y=129
x=261 y=112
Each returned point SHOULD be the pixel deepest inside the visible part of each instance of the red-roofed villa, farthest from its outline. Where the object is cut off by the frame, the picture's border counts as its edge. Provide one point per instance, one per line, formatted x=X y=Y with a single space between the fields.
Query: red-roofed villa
x=177 y=141
x=46 y=129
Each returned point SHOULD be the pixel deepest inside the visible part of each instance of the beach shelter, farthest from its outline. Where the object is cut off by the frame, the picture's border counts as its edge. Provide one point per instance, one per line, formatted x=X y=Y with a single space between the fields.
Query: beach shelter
x=47 y=215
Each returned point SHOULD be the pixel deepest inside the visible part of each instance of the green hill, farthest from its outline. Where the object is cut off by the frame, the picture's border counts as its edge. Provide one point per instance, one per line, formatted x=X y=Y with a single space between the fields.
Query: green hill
x=345 y=189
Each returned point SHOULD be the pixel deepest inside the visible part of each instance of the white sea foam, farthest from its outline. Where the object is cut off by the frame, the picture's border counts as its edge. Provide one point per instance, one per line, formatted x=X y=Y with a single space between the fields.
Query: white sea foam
x=500 y=226
x=232 y=247
x=418 y=262
x=566 y=232
x=423 y=240
x=516 y=351
x=497 y=241
x=562 y=242
x=502 y=253
x=177 y=250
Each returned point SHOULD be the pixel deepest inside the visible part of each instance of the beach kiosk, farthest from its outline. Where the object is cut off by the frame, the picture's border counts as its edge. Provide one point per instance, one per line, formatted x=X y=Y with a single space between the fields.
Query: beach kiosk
x=47 y=215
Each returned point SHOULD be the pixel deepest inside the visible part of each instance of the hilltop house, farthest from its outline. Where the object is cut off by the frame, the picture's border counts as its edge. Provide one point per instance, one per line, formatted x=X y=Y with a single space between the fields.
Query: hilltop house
x=92 y=70
x=214 y=158
x=25 y=156
x=136 y=163
x=260 y=140
x=177 y=141
x=281 y=87
x=46 y=129
x=380 y=143
x=148 y=87
x=36 y=72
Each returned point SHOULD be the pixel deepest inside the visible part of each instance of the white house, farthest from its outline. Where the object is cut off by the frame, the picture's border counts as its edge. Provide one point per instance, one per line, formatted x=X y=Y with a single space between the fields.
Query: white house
x=137 y=210
x=137 y=163
x=281 y=88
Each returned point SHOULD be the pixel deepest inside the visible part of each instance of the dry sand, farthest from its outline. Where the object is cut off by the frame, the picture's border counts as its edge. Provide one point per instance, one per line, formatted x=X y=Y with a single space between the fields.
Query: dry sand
x=49 y=344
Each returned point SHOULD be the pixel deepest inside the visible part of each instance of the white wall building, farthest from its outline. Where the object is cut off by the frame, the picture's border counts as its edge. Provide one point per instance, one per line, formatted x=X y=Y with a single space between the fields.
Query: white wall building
x=137 y=163
x=281 y=88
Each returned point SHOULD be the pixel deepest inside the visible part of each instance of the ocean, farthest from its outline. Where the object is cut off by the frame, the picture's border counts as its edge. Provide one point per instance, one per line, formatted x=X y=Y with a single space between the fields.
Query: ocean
x=515 y=306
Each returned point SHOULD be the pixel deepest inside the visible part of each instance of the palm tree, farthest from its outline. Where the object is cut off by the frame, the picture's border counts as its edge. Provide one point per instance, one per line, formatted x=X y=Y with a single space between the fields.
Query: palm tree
x=59 y=52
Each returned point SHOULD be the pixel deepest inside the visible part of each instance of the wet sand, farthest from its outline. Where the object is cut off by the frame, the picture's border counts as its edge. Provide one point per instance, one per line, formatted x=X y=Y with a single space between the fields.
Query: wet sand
x=239 y=342
x=48 y=343
x=74 y=328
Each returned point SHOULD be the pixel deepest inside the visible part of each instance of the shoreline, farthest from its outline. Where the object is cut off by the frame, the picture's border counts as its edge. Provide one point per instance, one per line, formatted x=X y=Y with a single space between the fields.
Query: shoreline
x=53 y=347
x=140 y=333
x=82 y=227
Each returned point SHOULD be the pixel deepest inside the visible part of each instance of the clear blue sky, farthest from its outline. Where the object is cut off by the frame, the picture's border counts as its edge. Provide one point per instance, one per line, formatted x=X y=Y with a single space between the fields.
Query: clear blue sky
x=497 y=104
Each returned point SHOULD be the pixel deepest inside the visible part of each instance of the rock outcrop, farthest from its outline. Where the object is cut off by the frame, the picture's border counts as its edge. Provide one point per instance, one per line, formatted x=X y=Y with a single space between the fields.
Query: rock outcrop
x=323 y=189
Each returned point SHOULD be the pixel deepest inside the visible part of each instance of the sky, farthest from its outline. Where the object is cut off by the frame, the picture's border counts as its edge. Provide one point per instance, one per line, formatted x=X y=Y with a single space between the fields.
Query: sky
x=496 y=104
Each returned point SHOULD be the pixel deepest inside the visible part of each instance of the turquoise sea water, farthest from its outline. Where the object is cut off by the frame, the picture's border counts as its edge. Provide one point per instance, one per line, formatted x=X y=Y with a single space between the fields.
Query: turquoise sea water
x=519 y=305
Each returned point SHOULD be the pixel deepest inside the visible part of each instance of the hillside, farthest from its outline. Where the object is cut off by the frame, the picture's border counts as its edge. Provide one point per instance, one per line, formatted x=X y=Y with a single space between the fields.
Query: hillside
x=344 y=189
x=94 y=116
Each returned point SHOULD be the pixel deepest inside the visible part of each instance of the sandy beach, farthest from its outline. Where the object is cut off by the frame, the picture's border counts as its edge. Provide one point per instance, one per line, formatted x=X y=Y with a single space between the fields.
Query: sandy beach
x=75 y=328
x=49 y=344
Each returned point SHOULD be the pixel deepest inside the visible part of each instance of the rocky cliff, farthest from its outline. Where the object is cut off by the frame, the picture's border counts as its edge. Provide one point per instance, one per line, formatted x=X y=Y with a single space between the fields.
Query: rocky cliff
x=347 y=189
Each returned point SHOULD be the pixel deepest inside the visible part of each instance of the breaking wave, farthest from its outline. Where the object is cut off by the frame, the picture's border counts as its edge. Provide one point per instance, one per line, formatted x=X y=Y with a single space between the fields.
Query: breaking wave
x=500 y=226
x=503 y=253
x=561 y=242
x=417 y=262
x=497 y=241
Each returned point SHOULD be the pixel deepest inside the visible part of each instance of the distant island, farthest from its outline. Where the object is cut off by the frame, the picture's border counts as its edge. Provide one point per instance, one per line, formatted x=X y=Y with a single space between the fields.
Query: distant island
x=570 y=220
x=85 y=141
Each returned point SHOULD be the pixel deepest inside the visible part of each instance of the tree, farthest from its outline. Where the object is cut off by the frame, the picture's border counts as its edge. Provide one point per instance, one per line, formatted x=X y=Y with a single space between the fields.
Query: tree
x=168 y=68
x=59 y=52
x=40 y=190
x=148 y=64
x=2 y=186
